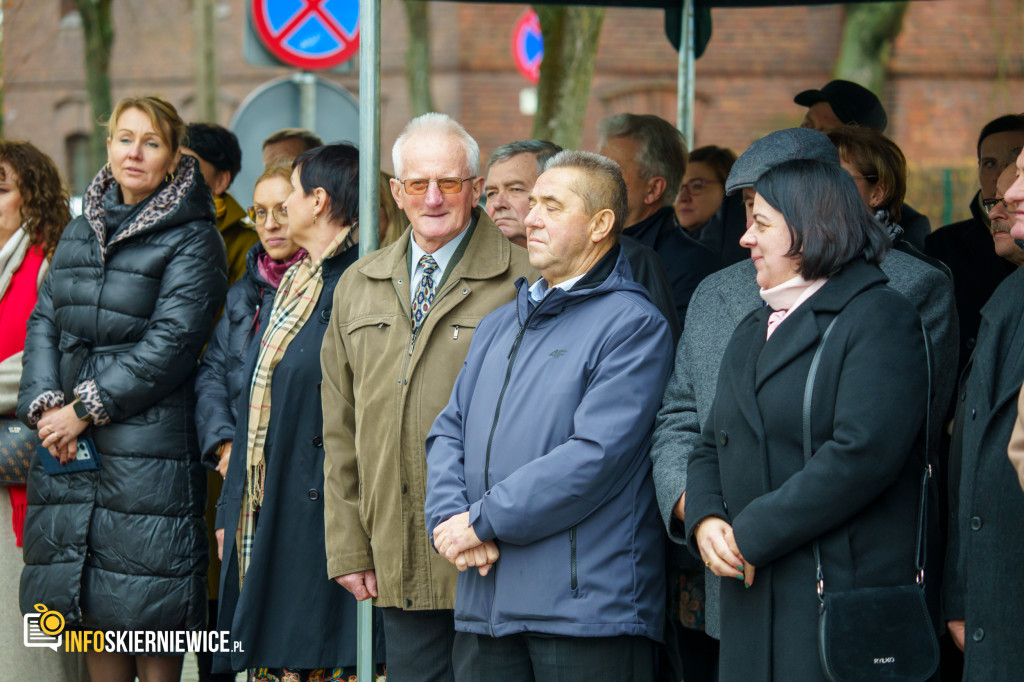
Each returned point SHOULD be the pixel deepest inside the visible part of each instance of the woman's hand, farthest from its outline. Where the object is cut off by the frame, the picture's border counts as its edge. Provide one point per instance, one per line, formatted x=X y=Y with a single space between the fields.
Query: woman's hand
x=219 y=533
x=718 y=549
x=225 y=456
x=59 y=429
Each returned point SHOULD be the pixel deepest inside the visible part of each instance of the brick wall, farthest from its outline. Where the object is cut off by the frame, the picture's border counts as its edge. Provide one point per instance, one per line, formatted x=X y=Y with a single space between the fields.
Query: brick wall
x=956 y=65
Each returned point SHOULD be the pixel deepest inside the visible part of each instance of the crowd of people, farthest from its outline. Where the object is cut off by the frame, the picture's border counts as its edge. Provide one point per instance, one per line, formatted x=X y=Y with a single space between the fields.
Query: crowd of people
x=631 y=414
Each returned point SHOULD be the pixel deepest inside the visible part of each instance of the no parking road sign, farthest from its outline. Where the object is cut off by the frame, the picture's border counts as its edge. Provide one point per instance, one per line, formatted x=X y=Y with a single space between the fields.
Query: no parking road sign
x=308 y=34
x=528 y=45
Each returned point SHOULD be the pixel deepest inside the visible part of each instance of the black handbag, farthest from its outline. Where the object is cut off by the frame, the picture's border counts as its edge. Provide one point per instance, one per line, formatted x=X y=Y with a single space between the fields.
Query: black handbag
x=875 y=633
x=17 y=445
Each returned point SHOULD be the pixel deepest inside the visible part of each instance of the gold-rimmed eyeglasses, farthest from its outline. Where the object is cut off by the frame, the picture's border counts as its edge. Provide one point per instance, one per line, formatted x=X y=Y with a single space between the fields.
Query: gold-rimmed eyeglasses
x=444 y=185
x=258 y=215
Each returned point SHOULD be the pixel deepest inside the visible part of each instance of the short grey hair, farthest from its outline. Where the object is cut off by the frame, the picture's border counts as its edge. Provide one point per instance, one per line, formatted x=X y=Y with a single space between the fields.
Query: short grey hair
x=662 y=149
x=601 y=187
x=433 y=123
x=542 y=151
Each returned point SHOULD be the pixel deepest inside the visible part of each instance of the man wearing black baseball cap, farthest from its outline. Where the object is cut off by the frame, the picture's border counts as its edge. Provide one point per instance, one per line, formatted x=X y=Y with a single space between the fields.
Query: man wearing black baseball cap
x=726 y=297
x=842 y=102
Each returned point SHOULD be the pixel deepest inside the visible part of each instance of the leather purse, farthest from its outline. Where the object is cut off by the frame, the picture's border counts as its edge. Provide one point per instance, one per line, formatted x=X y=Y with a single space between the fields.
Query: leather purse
x=17 y=445
x=875 y=633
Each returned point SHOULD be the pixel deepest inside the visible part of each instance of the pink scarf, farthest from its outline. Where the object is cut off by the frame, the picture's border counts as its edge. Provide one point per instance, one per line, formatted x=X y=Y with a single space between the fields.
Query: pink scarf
x=787 y=297
x=273 y=270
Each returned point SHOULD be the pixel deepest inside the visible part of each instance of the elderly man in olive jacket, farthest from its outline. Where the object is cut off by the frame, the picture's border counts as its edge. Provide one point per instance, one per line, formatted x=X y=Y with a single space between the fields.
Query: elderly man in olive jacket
x=400 y=329
x=726 y=297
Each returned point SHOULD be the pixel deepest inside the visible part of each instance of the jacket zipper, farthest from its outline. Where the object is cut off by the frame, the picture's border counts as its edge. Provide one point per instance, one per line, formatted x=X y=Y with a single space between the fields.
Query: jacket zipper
x=513 y=352
x=572 y=559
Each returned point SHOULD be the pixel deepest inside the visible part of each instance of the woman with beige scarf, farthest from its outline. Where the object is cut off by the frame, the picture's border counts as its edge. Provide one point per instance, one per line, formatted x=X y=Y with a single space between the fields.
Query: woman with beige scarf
x=292 y=622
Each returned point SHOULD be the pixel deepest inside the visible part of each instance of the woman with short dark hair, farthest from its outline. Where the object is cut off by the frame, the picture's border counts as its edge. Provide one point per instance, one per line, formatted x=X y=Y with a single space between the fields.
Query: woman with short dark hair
x=754 y=506
x=292 y=621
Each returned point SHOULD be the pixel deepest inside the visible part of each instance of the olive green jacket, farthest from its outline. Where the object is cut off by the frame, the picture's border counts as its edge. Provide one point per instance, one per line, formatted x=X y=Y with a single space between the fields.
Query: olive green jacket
x=381 y=392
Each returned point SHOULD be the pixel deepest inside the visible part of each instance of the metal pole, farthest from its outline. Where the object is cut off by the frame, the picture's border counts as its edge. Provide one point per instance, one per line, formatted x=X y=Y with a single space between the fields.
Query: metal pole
x=369 y=236
x=369 y=126
x=685 y=80
x=206 y=61
x=307 y=99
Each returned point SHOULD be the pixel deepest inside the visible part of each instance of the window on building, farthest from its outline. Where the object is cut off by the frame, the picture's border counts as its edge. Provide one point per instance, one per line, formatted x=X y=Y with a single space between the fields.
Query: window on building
x=79 y=170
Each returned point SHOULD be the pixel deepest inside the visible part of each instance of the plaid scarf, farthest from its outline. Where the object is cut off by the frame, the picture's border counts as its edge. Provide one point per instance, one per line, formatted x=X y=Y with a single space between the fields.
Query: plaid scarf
x=294 y=303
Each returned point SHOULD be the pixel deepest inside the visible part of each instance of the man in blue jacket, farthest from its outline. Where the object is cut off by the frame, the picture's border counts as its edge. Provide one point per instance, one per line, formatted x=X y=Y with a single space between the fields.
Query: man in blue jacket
x=537 y=473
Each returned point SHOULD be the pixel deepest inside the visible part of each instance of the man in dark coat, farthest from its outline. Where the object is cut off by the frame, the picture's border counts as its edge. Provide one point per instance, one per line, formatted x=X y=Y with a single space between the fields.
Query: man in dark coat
x=982 y=588
x=652 y=156
x=967 y=246
x=726 y=297
x=511 y=173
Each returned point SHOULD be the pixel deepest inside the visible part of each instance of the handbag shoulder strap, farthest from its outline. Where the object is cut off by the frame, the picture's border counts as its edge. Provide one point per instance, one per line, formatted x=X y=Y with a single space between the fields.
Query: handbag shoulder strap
x=919 y=558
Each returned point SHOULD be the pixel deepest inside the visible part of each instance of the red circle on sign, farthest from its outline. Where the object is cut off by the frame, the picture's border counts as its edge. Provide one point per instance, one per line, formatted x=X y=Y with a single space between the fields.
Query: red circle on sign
x=527 y=27
x=275 y=41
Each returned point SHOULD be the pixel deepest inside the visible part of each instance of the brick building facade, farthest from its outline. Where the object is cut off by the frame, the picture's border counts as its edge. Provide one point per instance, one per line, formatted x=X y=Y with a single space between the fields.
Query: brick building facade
x=956 y=65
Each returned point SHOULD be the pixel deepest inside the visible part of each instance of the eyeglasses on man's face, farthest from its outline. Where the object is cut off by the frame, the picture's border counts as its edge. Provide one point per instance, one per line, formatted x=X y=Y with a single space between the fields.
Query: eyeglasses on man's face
x=444 y=185
x=990 y=204
x=258 y=215
x=696 y=186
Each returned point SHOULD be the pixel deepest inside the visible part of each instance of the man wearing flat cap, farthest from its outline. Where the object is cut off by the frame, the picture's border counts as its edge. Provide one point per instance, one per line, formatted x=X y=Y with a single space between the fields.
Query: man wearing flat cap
x=727 y=296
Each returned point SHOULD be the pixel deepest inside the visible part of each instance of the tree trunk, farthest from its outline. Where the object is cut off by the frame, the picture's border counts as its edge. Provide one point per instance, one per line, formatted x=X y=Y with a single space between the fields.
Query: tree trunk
x=98 y=29
x=417 y=57
x=570 y=53
x=868 y=36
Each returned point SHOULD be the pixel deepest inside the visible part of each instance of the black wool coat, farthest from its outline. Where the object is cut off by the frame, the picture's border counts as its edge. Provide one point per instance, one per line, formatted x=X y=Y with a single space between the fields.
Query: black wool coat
x=289 y=613
x=983 y=581
x=858 y=494
x=125 y=548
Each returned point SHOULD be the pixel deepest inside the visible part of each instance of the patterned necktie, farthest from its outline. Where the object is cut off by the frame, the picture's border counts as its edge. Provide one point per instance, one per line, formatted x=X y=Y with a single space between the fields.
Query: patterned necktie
x=424 y=292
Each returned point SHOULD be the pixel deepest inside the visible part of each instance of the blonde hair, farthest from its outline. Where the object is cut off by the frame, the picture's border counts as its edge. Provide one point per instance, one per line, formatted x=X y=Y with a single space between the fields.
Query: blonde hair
x=161 y=113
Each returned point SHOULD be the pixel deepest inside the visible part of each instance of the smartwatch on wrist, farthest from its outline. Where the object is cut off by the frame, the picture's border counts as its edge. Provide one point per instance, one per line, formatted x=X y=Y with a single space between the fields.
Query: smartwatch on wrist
x=80 y=411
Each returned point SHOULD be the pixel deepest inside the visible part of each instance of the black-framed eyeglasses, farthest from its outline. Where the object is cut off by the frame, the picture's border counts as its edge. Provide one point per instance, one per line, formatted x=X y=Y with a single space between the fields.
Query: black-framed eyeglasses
x=696 y=186
x=990 y=204
x=444 y=185
x=258 y=215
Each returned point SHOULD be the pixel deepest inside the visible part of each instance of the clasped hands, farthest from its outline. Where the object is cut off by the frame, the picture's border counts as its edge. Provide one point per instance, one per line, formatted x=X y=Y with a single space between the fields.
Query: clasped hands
x=719 y=551
x=457 y=542
x=59 y=429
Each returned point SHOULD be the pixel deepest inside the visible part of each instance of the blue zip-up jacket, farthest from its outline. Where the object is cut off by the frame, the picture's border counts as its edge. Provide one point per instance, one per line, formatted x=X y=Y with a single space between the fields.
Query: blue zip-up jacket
x=545 y=442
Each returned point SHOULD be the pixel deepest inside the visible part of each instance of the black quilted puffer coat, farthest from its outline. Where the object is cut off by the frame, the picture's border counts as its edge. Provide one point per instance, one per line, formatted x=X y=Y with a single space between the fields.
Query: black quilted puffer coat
x=124 y=313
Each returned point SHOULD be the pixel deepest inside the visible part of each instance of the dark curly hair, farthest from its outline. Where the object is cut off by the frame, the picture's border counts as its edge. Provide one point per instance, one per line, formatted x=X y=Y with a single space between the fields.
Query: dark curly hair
x=44 y=197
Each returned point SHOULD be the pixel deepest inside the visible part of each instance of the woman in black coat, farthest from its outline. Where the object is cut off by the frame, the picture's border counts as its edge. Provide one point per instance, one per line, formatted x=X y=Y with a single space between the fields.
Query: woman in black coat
x=276 y=597
x=111 y=354
x=753 y=506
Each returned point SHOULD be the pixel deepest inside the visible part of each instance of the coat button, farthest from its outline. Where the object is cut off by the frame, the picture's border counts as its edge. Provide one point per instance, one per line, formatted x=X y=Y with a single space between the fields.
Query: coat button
x=405 y=489
x=408 y=603
x=313 y=494
x=318 y=442
x=978 y=635
x=723 y=438
x=974 y=413
x=325 y=314
x=975 y=523
x=963 y=396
